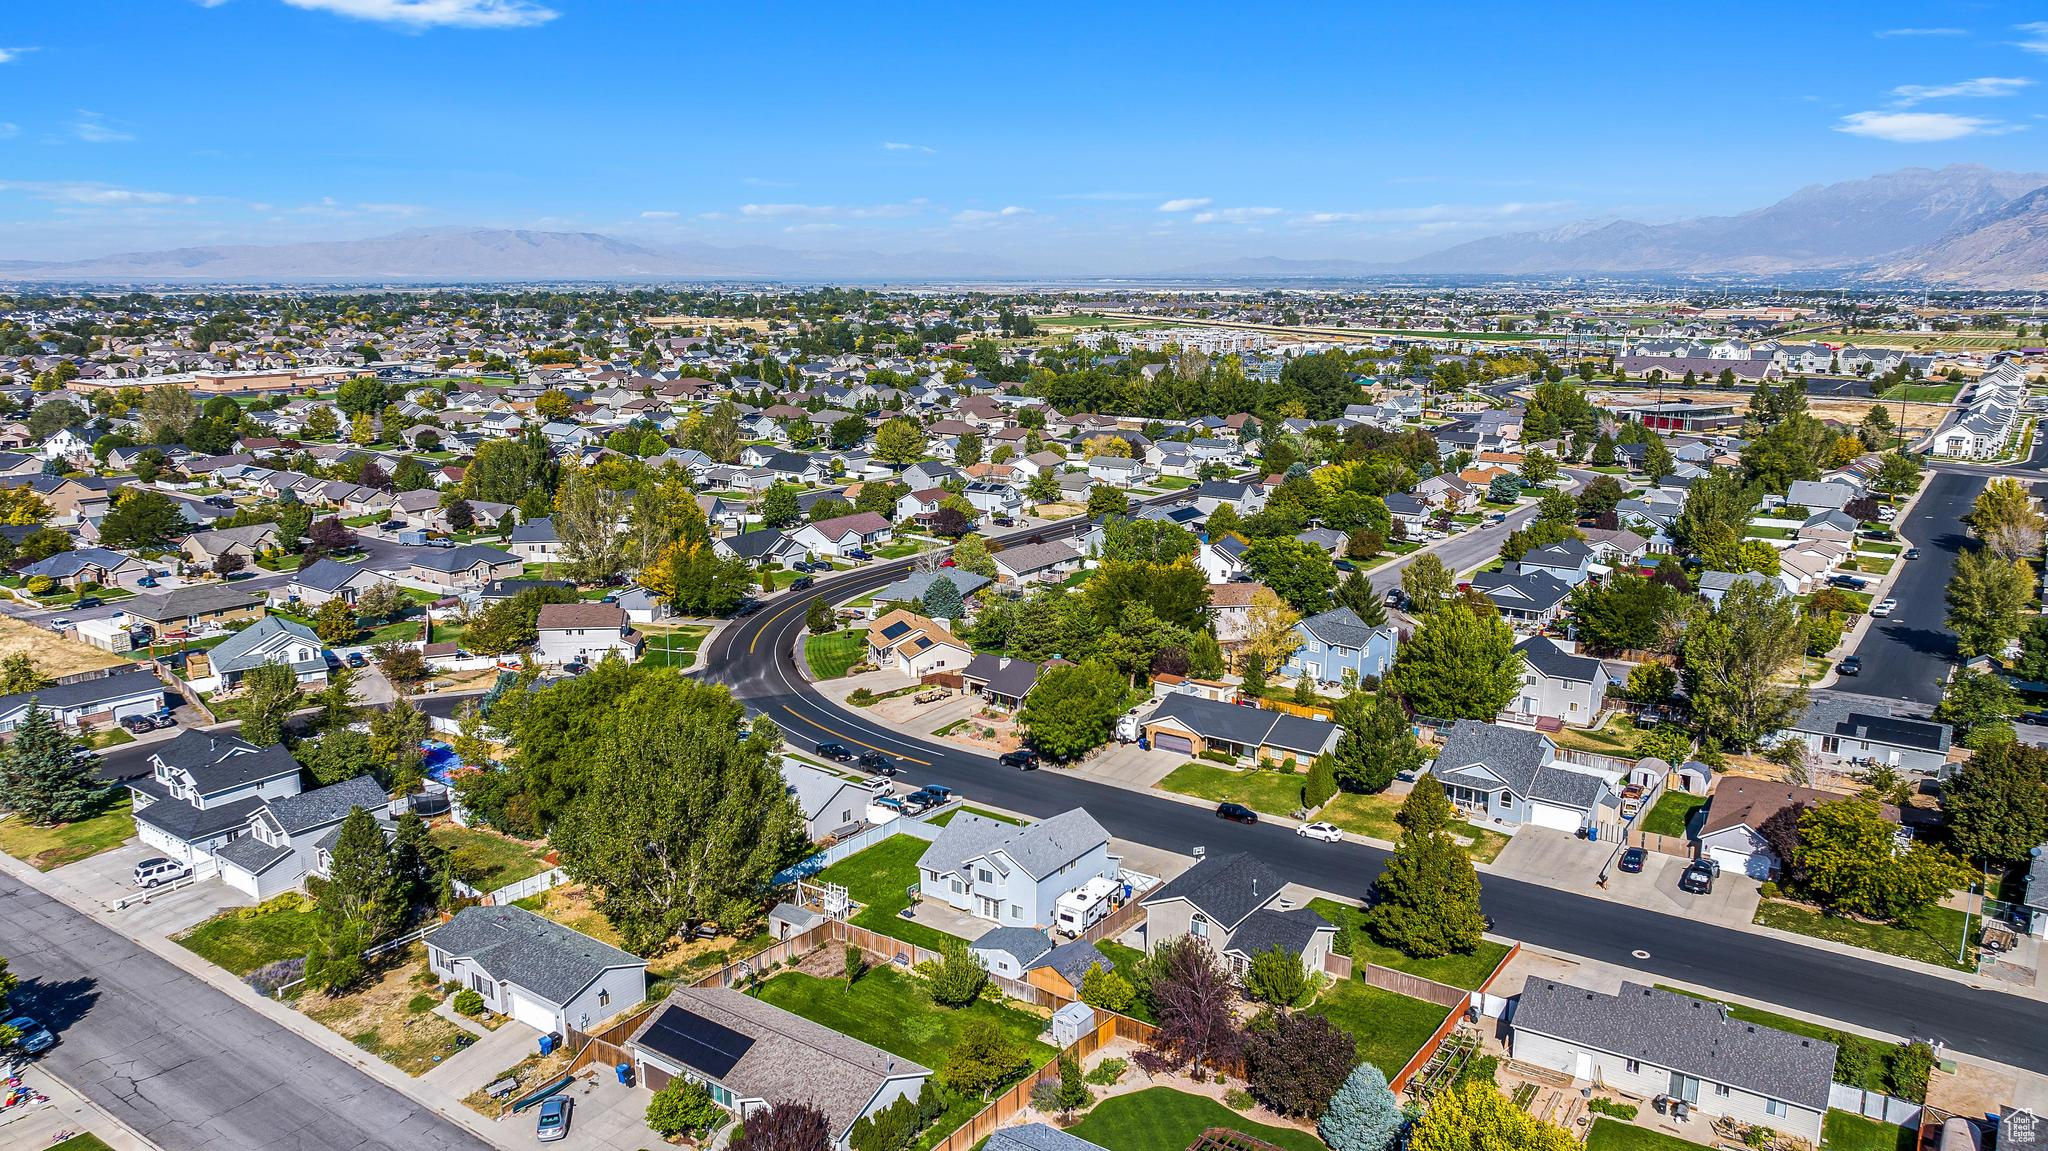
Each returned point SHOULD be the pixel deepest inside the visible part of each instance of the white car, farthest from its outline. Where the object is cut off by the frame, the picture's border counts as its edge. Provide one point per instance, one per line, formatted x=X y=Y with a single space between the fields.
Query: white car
x=1327 y=832
x=1884 y=607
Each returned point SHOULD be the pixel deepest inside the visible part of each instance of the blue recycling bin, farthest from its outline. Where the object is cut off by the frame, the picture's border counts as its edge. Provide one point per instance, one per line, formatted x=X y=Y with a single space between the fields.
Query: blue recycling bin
x=547 y=1044
x=625 y=1071
x=1593 y=833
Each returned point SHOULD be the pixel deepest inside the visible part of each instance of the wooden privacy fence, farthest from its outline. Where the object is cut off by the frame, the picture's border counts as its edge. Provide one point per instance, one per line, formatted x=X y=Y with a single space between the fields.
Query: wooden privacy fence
x=1676 y=845
x=1005 y=1107
x=1451 y=1020
x=1414 y=986
x=1116 y=923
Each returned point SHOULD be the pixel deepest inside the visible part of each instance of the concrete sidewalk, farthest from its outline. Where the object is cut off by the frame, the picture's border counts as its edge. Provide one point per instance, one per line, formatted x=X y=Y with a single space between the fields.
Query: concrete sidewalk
x=41 y=1124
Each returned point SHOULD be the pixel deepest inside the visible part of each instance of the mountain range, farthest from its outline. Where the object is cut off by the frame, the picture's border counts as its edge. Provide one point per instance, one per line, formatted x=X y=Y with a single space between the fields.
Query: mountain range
x=1962 y=226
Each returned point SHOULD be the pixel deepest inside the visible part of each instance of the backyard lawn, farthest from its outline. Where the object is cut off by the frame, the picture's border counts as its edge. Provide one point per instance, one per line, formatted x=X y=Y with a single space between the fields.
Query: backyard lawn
x=832 y=653
x=1373 y=816
x=1389 y=1028
x=1128 y=960
x=891 y=1009
x=486 y=860
x=1616 y=737
x=242 y=939
x=945 y=818
x=1162 y=1119
x=1672 y=811
x=879 y=878
x=1466 y=971
x=1842 y=1131
x=1933 y=937
x=46 y=847
x=1274 y=792
x=1615 y=1135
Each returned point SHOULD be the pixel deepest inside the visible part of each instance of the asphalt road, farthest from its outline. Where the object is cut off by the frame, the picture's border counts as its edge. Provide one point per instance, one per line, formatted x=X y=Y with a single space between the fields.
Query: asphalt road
x=754 y=656
x=1907 y=655
x=184 y=1065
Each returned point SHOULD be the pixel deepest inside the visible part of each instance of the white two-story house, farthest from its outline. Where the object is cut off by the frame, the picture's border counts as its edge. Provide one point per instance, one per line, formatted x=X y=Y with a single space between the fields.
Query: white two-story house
x=1012 y=875
x=584 y=633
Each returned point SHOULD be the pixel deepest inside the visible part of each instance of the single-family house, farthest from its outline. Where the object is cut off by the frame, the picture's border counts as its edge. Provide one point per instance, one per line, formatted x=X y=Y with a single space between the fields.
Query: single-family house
x=202 y=788
x=1191 y=725
x=1730 y=828
x=535 y=970
x=1513 y=775
x=914 y=645
x=1231 y=902
x=74 y=569
x=1569 y=560
x=95 y=702
x=466 y=566
x=1535 y=596
x=1840 y=728
x=1036 y=563
x=205 y=549
x=1647 y=1042
x=1557 y=684
x=913 y=587
x=271 y=640
x=842 y=535
x=1001 y=680
x=584 y=633
x=535 y=541
x=288 y=837
x=762 y=546
x=1119 y=472
x=831 y=804
x=1337 y=641
x=1014 y=875
x=327 y=579
x=198 y=605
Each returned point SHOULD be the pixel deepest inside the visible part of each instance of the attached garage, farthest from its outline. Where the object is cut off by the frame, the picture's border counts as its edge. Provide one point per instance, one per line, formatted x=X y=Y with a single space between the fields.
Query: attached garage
x=1168 y=741
x=1551 y=815
x=1755 y=864
x=530 y=1011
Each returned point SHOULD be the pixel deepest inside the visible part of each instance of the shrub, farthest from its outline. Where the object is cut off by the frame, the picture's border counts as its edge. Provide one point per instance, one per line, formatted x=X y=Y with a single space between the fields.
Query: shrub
x=1906 y=1070
x=1769 y=889
x=682 y=1106
x=1238 y=1099
x=860 y=697
x=1275 y=977
x=958 y=979
x=39 y=585
x=1106 y=989
x=271 y=977
x=893 y=1127
x=468 y=1002
x=1108 y=1072
x=1623 y=1111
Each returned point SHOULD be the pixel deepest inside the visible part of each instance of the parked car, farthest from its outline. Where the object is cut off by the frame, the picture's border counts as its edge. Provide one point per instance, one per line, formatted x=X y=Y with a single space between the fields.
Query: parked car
x=1850 y=665
x=878 y=763
x=60 y=623
x=236 y=577
x=1632 y=860
x=86 y=601
x=33 y=1038
x=1327 y=832
x=1884 y=607
x=1236 y=813
x=146 y=581
x=440 y=543
x=837 y=752
x=553 y=1123
x=355 y=659
x=1912 y=553
x=1021 y=759
x=1004 y=522
x=1397 y=598
x=1698 y=879
x=801 y=582
x=158 y=870
x=857 y=554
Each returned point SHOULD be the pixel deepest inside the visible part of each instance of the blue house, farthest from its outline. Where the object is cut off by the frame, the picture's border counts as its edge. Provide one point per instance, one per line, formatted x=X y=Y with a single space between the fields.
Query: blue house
x=1338 y=641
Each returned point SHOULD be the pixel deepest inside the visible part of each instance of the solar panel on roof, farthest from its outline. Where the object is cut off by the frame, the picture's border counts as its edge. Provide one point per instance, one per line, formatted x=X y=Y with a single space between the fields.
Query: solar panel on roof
x=895 y=629
x=699 y=1043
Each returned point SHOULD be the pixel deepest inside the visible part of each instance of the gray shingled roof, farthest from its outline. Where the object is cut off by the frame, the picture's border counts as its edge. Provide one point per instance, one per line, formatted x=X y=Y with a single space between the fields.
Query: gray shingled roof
x=198 y=599
x=237 y=770
x=1338 y=627
x=184 y=822
x=1684 y=1034
x=1266 y=929
x=1039 y=848
x=70 y=695
x=1830 y=714
x=310 y=809
x=1027 y=944
x=1509 y=753
x=1073 y=959
x=1226 y=888
x=538 y=954
x=1036 y=1137
x=1247 y=726
x=1553 y=661
x=251 y=854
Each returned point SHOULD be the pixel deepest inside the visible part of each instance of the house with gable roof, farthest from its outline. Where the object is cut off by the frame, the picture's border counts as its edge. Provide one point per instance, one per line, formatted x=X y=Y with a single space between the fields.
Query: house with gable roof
x=1337 y=641
x=536 y=971
x=1512 y=775
x=1014 y=875
x=1558 y=684
x=1231 y=902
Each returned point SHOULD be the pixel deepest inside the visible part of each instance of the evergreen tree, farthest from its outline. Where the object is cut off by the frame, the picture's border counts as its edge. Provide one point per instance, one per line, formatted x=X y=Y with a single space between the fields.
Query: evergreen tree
x=942 y=599
x=40 y=779
x=1378 y=742
x=1363 y=1115
x=270 y=694
x=1426 y=900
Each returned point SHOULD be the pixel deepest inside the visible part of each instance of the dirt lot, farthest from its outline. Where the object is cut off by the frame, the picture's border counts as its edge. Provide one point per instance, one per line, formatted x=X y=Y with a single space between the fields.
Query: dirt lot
x=53 y=655
x=1851 y=412
x=393 y=1017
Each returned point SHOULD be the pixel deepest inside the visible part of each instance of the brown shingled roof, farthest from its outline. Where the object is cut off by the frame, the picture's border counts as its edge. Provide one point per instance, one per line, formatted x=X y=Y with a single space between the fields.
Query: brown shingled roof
x=555 y=615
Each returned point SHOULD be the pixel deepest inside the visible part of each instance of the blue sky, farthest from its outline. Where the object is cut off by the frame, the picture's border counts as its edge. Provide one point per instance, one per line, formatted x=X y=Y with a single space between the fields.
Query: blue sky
x=1097 y=137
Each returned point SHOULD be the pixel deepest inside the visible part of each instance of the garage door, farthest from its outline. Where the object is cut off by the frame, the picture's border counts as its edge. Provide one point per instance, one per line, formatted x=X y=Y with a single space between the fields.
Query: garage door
x=536 y=1015
x=1756 y=865
x=653 y=1078
x=1167 y=741
x=1551 y=815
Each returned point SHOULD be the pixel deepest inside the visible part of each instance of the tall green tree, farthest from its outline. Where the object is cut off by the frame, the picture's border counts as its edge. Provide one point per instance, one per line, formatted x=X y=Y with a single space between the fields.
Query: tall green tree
x=1426 y=899
x=1459 y=664
x=270 y=694
x=1849 y=861
x=1301 y=573
x=1363 y=1115
x=41 y=781
x=1428 y=583
x=1997 y=804
x=1987 y=598
x=1073 y=710
x=899 y=441
x=1378 y=742
x=1735 y=657
x=142 y=518
x=395 y=736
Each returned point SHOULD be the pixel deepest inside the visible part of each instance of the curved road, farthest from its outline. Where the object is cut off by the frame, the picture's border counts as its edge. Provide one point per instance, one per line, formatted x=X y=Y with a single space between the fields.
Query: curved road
x=755 y=657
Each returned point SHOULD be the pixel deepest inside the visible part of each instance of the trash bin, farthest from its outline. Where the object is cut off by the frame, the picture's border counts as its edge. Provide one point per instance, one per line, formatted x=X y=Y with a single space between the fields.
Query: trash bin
x=547 y=1043
x=1593 y=834
x=625 y=1071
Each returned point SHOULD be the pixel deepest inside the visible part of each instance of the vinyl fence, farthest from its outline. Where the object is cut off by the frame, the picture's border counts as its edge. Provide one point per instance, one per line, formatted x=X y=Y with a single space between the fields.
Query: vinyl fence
x=853 y=844
x=1873 y=1105
x=511 y=892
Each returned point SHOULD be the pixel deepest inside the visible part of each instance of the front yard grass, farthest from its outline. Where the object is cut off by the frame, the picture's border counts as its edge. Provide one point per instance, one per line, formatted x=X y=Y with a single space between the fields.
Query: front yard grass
x=1390 y=1028
x=891 y=1009
x=1466 y=971
x=832 y=653
x=1931 y=937
x=945 y=818
x=1672 y=812
x=1163 y=1119
x=242 y=939
x=1614 y=1135
x=1275 y=792
x=1373 y=816
x=1843 y=1131
x=82 y=1142
x=879 y=878
x=673 y=646
x=44 y=848
x=487 y=860
x=380 y=1017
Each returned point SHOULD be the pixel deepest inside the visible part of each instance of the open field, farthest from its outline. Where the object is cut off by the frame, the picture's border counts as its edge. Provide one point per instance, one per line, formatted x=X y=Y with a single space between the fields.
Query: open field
x=52 y=654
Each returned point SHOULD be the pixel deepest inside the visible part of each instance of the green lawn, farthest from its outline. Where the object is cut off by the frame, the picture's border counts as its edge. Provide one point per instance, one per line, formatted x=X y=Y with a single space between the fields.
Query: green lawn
x=1614 y=1135
x=1932 y=937
x=1874 y=1050
x=1172 y=483
x=947 y=817
x=1389 y=1028
x=1373 y=816
x=243 y=939
x=1767 y=532
x=1842 y=1131
x=898 y=549
x=46 y=847
x=85 y=1142
x=880 y=878
x=1466 y=971
x=1616 y=737
x=486 y=860
x=1671 y=811
x=1162 y=1119
x=1128 y=960
x=832 y=653
x=673 y=647
x=891 y=1009
x=1922 y=393
x=1276 y=792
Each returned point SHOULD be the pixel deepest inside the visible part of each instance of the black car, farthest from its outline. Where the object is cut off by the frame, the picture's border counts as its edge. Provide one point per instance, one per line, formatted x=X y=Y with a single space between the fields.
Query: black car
x=1912 y=553
x=801 y=582
x=1632 y=860
x=1021 y=760
x=857 y=554
x=355 y=659
x=1850 y=665
x=88 y=601
x=878 y=763
x=836 y=751
x=1236 y=813
x=1698 y=879
x=1003 y=521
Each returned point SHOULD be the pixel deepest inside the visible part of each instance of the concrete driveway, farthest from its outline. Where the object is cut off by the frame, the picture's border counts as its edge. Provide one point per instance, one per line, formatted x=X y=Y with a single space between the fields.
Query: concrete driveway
x=1564 y=862
x=108 y=878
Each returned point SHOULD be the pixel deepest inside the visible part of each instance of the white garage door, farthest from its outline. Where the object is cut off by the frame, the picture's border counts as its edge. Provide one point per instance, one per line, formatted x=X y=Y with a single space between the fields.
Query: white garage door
x=1756 y=865
x=536 y=1015
x=1550 y=815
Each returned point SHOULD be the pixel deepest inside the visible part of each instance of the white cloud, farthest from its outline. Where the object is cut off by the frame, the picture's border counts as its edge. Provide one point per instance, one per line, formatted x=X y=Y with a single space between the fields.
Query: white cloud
x=1979 y=88
x=985 y=216
x=1188 y=204
x=1235 y=215
x=2037 y=36
x=900 y=146
x=421 y=14
x=1894 y=33
x=93 y=128
x=659 y=215
x=93 y=195
x=10 y=55
x=1920 y=127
